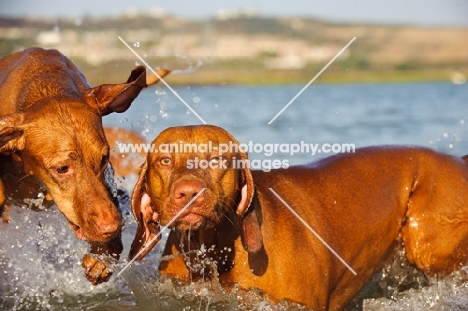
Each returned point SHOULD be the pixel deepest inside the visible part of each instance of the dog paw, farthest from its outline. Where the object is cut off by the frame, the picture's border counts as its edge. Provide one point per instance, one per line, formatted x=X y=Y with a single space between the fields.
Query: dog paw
x=96 y=271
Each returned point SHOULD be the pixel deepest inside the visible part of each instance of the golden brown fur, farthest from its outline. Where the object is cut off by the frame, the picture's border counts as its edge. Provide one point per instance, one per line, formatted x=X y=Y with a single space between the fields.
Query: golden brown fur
x=361 y=204
x=124 y=163
x=52 y=142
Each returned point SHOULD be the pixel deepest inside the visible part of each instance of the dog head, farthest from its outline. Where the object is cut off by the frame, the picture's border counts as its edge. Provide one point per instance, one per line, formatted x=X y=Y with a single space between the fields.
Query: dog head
x=60 y=140
x=193 y=177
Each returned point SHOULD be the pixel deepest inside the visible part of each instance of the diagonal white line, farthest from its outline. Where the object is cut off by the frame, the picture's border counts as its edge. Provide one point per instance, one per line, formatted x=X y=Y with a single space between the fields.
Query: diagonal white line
x=310 y=82
x=162 y=80
x=160 y=232
x=313 y=231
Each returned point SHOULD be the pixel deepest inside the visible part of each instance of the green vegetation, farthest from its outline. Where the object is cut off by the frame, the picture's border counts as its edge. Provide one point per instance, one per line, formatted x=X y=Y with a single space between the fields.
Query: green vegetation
x=304 y=76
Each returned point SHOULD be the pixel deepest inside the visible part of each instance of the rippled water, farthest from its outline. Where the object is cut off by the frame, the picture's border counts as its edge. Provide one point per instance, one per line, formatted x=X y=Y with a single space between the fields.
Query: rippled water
x=40 y=260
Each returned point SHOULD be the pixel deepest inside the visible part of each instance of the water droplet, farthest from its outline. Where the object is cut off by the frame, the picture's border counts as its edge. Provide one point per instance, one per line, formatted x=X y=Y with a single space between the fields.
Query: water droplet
x=462 y=121
x=196 y=99
x=163 y=113
x=450 y=146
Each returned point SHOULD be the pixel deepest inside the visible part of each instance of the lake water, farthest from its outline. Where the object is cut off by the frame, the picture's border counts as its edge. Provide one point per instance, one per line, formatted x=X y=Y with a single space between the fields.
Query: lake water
x=40 y=259
x=428 y=114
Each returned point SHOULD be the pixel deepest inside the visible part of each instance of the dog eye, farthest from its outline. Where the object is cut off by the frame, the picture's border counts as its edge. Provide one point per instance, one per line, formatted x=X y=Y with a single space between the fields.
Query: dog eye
x=165 y=161
x=216 y=159
x=62 y=169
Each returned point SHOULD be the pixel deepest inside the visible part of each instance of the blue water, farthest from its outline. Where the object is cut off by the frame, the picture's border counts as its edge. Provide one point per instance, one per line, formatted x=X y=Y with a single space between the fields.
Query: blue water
x=427 y=114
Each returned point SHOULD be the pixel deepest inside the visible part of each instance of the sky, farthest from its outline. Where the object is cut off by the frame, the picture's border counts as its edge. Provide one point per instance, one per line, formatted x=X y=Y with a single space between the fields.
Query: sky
x=453 y=13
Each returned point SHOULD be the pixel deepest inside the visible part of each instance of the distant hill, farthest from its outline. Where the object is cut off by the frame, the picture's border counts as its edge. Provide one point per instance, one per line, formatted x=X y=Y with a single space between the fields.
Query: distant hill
x=230 y=45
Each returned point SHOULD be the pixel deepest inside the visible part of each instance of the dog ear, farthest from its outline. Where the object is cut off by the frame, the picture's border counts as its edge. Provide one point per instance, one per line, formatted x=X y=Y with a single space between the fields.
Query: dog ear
x=11 y=132
x=251 y=234
x=252 y=239
x=108 y=98
x=247 y=190
x=148 y=233
x=153 y=79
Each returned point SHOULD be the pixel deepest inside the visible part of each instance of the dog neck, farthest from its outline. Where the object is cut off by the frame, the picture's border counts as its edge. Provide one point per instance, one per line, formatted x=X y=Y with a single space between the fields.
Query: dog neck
x=208 y=252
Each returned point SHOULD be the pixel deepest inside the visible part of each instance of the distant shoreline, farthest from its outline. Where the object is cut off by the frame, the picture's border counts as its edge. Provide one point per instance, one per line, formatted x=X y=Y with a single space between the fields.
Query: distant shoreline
x=241 y=49
x=277 y=77
x=271 y=77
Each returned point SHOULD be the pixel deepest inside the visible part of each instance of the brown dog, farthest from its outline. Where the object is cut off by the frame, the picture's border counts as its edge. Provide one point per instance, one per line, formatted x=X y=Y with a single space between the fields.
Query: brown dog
x=125 y=163
x=52 y=143
x=360 y=204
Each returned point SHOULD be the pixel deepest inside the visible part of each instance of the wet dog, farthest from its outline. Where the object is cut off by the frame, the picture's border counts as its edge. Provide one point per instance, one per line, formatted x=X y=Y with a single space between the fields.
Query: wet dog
x=350 y=211
x=125 y=162
x=53 y=146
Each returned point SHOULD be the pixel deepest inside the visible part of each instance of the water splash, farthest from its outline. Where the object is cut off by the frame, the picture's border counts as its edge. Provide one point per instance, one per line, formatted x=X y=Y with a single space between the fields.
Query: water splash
x=177 y=63
x=165 y=293
x=40 y=269
x=406 y=288
x=40 y=263
x=450 y=294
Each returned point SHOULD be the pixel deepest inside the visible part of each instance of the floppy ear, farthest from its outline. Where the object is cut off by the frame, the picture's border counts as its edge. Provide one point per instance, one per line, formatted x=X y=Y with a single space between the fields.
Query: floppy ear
x=147 y=234
x=251 y=234
x=11 y=132
x=108 y=98
x=247 y=192
x=153 y=79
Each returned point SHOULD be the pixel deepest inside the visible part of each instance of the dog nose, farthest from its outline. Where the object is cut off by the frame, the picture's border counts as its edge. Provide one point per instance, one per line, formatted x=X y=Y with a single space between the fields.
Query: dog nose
x=108 y=229
x=185 y=191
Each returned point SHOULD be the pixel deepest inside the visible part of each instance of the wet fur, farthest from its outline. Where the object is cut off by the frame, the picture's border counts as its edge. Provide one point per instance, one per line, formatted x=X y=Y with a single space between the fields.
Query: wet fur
x=361 y=204
x=52 y=141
